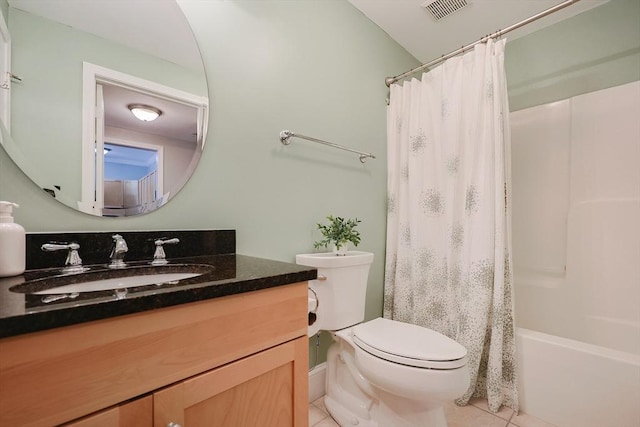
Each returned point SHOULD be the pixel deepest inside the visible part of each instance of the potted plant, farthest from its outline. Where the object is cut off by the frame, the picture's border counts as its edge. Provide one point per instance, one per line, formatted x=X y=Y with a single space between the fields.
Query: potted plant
x=338 y=233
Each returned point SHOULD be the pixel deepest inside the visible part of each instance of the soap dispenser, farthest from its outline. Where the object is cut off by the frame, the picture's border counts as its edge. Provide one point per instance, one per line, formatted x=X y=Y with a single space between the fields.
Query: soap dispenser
x=12 y=242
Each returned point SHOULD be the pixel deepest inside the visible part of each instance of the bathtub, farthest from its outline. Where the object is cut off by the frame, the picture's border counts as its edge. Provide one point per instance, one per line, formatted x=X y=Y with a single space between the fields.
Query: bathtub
x=576 y=246
x=574 y=384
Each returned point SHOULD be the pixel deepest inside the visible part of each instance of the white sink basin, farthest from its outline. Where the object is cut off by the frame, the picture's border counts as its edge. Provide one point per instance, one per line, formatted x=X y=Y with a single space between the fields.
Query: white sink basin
x=118 y=283
x=116 y=279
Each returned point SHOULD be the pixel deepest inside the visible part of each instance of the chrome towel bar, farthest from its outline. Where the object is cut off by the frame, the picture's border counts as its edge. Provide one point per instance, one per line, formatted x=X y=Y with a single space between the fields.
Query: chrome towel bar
x=286 y=134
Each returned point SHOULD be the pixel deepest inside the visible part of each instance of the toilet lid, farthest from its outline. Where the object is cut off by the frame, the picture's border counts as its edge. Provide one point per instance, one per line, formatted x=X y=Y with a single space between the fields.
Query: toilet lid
x=408 y=344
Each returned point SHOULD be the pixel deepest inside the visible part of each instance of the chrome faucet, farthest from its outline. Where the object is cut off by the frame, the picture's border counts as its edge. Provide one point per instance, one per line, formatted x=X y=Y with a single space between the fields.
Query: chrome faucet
x=159 y=256
x=73 y=264
x=117 y=253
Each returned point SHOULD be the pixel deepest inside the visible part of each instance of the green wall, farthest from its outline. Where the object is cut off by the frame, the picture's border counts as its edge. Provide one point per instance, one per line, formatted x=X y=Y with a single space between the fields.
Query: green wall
x=4 y=8
x=594 y=50
x=317 y=68
x=269 y=68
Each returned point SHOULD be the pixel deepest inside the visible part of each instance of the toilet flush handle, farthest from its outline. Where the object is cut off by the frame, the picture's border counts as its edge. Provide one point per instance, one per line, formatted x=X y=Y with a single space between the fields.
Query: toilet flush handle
x=321 y=277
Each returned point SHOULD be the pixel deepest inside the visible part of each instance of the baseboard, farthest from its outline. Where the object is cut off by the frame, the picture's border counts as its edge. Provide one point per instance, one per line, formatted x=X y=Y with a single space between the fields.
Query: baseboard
x=316 y=382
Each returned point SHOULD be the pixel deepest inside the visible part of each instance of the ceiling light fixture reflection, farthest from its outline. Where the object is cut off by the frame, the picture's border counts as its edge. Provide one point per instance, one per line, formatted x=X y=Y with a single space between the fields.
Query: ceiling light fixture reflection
x=146 y=113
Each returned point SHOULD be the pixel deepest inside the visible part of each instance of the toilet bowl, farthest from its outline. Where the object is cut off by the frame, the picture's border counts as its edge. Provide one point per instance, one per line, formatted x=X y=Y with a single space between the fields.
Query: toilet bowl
x=380 y=373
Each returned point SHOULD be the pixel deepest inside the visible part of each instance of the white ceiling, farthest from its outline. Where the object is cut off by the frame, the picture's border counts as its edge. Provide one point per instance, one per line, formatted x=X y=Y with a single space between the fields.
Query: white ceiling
x=177 y=121
x=414 y=28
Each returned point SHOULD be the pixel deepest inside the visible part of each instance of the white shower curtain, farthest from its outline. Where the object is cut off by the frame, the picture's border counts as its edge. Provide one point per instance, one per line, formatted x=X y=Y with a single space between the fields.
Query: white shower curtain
x=448 y=223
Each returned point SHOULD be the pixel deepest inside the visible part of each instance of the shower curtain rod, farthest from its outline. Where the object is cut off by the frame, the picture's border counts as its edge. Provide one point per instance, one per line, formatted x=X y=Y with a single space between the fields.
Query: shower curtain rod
x=390 y=80
x=286 y=134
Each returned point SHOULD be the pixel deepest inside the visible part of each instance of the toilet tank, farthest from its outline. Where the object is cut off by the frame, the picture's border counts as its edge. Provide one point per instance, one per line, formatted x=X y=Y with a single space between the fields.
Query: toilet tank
x=341 y=288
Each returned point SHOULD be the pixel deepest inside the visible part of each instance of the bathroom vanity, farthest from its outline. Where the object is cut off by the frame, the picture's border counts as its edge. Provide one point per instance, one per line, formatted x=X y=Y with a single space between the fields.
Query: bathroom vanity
x=228 y=350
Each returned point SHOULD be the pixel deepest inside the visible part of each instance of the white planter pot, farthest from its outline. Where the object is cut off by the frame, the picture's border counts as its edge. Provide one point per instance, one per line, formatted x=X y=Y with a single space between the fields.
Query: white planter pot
x=340 y=252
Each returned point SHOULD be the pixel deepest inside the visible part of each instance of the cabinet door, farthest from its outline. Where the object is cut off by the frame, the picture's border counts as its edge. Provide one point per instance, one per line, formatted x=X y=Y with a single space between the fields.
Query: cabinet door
x=267 y=389
x=137 y=413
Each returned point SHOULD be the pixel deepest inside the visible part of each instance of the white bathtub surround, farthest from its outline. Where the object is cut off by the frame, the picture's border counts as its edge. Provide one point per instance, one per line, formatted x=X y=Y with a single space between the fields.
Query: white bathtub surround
x=575 y=384
x=576 y=238
x=448 y=223
x=576 y=204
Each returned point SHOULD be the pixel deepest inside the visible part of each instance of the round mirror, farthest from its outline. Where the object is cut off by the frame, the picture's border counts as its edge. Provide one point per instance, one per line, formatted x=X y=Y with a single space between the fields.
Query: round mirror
x=104 y=102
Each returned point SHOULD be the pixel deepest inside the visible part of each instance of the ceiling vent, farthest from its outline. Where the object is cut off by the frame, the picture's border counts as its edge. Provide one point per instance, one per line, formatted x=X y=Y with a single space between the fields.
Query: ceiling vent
x=441 y=8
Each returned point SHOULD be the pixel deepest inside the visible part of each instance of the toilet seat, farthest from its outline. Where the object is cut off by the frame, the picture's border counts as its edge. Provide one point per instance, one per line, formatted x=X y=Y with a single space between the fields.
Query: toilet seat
x=409 y=345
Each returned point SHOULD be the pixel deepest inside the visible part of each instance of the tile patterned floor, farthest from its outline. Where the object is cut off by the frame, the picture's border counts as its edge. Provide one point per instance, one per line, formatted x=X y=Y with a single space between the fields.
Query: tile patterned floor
x=474 y=415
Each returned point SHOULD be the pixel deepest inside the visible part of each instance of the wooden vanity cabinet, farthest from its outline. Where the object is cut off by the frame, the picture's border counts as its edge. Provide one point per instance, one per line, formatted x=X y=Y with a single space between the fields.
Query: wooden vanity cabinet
x=137 y=413
x=255 y=391
x=240 y=360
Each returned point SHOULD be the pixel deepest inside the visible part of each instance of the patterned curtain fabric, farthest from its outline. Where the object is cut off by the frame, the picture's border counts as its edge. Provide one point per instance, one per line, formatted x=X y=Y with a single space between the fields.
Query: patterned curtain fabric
x=448 y=224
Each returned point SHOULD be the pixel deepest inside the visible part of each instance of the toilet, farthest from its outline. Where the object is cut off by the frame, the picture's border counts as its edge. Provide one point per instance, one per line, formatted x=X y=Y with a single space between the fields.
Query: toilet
x=380 y=373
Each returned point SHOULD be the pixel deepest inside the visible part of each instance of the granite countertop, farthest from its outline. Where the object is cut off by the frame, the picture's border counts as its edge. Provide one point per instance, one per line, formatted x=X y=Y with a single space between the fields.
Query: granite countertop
x=230 y=274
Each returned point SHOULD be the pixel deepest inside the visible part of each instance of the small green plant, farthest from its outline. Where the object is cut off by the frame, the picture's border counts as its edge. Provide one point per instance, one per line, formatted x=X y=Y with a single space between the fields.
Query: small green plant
x=338 y=232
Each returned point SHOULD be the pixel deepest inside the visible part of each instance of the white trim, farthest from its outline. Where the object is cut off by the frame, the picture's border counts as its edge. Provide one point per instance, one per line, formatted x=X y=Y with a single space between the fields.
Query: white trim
x=99 y=151
x=88 y=142
x=5 y=94
x=116 y=78
x=317 y=381
x=94 y=74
